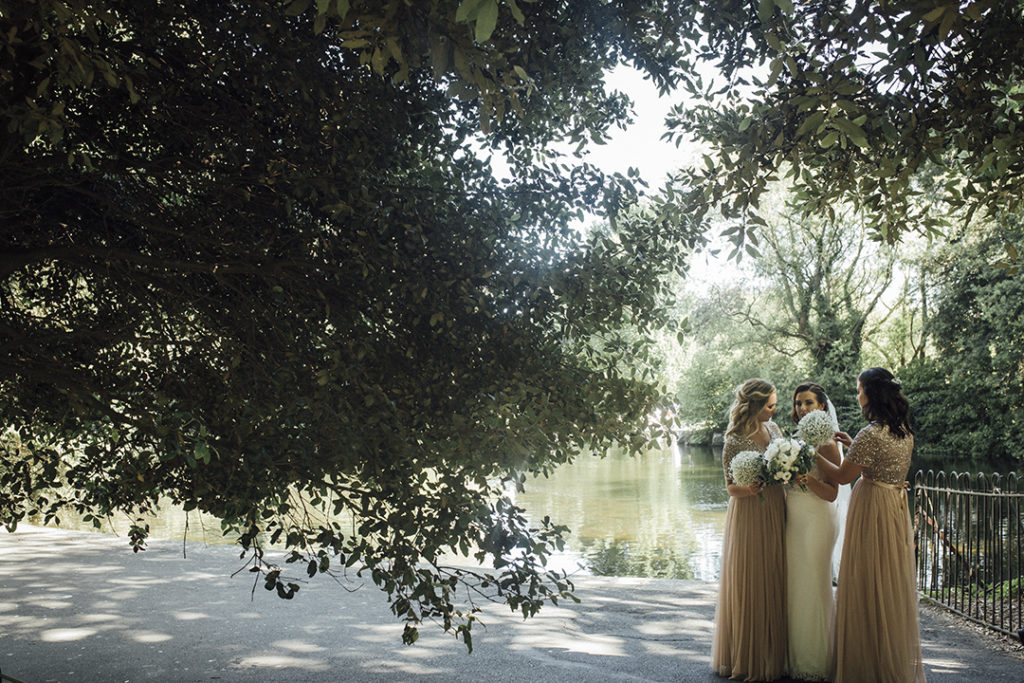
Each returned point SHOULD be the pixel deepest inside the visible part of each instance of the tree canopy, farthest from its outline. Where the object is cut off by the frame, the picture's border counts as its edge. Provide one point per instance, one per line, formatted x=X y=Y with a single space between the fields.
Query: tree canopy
x=313 y=267
x=850 y=102
x=255 y=260
x=969 y=391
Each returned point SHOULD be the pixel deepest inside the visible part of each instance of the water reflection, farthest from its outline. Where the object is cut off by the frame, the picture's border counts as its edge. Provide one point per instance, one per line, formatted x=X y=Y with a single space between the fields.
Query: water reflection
x=660 y=514
x=167 y=520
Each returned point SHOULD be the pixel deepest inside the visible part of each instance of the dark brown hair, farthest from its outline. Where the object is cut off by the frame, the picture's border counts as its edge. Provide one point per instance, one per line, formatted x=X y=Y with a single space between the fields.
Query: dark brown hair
x=819 y=393
x=886 y=402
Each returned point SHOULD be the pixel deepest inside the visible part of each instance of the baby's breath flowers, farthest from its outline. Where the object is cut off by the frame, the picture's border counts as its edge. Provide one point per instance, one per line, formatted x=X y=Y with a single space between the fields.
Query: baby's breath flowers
x=816 y=428
x=747 y=468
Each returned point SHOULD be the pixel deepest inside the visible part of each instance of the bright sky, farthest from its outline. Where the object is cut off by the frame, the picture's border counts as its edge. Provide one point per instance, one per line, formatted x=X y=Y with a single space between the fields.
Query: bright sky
x=641 y=147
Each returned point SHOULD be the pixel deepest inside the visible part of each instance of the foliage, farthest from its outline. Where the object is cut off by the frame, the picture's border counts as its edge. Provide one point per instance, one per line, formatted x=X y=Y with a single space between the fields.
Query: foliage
x=724 y=351
x=851 y=102
x=968 y=398
x=253 y=261
x=802 y=311
x=828 y=282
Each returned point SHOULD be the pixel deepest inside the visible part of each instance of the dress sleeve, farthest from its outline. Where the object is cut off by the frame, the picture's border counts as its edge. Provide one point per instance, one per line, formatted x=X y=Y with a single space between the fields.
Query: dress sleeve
x=775 y=430
x=865 y=446
x=729 y=451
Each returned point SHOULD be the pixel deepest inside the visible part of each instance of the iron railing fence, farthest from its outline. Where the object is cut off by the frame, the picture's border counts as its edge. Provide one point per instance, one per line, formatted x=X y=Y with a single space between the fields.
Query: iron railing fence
x=969 y=539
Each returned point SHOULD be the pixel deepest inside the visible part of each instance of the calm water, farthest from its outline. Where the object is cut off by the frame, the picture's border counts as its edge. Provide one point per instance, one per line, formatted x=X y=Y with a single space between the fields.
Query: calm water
x=660 y=514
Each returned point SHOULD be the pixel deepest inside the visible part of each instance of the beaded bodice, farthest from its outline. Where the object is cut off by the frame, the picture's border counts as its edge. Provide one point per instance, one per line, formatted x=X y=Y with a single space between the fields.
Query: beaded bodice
x=883 y=457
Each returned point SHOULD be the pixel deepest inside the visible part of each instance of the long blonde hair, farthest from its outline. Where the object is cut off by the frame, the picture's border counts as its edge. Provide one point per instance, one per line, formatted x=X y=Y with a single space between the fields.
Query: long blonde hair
x=751 y=398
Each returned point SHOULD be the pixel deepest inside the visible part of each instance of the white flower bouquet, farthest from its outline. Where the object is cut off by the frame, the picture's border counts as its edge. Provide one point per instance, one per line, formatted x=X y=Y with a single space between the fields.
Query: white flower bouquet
x=816 y=428
x=786 y=458
x=747 y=468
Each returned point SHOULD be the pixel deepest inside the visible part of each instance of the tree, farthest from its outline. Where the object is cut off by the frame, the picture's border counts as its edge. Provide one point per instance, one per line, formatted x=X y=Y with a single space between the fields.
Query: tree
x=827 y=281
x=253 y=261
x=801 y=310
x=968 y=396
x=723 y=351
x=851 y=102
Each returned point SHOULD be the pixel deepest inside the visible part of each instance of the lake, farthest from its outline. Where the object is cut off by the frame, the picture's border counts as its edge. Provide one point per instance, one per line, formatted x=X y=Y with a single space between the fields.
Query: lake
x=660 y=514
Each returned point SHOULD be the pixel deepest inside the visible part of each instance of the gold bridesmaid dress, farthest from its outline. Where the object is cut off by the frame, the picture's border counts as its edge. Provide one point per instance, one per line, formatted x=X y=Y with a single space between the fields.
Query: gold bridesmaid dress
x=750 y=640
x=877 y=634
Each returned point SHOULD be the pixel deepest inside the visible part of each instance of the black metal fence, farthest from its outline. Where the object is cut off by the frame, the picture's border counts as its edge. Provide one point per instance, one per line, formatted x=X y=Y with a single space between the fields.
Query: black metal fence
x=968 y=534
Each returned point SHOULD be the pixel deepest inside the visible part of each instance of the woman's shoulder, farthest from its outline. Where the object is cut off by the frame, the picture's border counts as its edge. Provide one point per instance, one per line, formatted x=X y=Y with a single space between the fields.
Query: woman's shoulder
x=873 y=430
x=876 y=439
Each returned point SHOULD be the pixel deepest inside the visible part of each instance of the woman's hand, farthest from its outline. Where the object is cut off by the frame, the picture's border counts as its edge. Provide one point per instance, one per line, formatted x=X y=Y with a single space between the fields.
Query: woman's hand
x=843 y=438
x=800 y=480
x=738 y=491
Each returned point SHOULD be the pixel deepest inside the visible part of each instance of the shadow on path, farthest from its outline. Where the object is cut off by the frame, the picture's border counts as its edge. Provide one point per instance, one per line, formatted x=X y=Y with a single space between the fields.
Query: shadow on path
x=80 y=606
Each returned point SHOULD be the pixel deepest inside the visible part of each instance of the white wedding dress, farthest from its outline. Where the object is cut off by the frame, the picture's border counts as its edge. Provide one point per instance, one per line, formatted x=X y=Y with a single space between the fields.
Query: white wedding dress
x=810 y=535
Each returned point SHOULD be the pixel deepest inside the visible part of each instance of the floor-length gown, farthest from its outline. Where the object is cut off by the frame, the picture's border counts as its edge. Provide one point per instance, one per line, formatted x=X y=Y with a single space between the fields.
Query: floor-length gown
x=842 y=505
x=810 y=534
x=750 y=622
x=877 y=634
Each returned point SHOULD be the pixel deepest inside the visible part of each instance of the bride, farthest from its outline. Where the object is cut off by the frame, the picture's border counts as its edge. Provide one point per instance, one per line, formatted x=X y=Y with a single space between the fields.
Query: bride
x=811 y=529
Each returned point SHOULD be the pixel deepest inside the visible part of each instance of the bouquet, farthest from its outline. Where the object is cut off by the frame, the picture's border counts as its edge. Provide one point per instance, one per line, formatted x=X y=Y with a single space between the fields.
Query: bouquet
x=786 y=458
x=747 y=468
x=816 y=428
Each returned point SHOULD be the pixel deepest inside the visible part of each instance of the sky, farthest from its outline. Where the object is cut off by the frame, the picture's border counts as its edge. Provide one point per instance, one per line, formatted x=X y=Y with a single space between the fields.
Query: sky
x=640 y=146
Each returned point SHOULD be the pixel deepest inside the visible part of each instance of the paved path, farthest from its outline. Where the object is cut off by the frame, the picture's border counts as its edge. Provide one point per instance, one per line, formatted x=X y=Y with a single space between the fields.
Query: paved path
x=80 y=607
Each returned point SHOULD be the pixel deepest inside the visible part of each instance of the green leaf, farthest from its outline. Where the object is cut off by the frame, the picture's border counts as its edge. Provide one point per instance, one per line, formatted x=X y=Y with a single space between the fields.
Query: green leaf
x=792 y=66
x=517 y=13
x=935 y=14
x=486 y=20
x=467 y=11
x=297 y=7
x=852 y=131
x=947 y=24
x=811 y=123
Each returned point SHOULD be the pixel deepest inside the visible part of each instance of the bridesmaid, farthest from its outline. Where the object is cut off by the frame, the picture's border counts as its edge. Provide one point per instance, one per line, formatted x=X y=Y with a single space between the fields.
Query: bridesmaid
x=877 y=635
x=750 y=625
x=810 y=535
